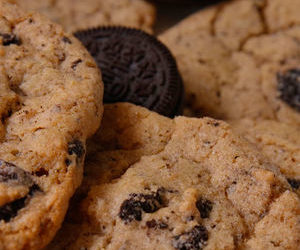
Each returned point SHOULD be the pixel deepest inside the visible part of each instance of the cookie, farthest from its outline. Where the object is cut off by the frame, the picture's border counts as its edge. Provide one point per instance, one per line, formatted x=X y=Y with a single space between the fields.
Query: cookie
x=240 y=59
x=186 y=183
x=51 y=94
x=75 y=15
x=136 y=68
x=279 y=142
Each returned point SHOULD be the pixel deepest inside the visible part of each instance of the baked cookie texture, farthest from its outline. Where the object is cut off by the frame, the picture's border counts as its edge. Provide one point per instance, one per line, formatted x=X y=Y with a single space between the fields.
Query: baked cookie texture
x=234 y=58
x=188 y=183
x=279 y=142
x=74 y=15
x=50 y=102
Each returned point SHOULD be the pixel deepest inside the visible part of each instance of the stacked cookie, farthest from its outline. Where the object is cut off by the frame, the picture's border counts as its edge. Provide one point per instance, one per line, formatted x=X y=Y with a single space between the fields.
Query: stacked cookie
x=149 y=181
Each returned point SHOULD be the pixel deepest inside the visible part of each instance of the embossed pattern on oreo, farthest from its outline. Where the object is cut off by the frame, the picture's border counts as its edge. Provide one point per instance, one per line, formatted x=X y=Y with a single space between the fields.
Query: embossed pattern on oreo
x=289 y=87
x=136 y=68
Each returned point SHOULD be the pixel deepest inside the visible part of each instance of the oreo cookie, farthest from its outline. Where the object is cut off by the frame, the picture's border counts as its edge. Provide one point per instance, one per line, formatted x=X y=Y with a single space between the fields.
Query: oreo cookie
x=136 y=68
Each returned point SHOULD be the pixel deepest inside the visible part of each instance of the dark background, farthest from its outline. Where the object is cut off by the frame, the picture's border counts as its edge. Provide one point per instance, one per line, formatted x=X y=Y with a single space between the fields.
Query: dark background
x=170 y=12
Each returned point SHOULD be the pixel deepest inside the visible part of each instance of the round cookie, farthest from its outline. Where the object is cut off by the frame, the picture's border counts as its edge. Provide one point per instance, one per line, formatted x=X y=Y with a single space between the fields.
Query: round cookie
x=136 y=68
x=51 y=94
x=234 y=58
x=279 y=142
x=77 y=14
x=187 y=183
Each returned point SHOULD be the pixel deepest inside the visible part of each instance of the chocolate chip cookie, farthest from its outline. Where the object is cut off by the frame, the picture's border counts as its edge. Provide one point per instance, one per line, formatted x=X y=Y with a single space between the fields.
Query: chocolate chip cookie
x=50 y=102
x=240 y=59
x=187 y=183
x=81 y=14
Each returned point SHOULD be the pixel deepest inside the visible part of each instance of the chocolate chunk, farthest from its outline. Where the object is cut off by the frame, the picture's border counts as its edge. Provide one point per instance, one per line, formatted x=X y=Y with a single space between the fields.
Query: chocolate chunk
x=295 y=184
x=192 y=240
x=136 y=68
x=156 y=224
x=289 y=87
x=68 y=162
x=66 y=40
x=75 y=63
x=41 y=172
x=204 y=206
x=132 y=208
x=8 y=39
x=10 y=210
x=76 y=147
x=13 y=174
x=150 y=202
x=151 y=223
x=162 y=225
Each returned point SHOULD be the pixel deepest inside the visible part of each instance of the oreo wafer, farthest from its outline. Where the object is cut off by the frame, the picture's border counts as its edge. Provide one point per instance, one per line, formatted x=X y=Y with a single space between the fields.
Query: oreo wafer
x=136 y=68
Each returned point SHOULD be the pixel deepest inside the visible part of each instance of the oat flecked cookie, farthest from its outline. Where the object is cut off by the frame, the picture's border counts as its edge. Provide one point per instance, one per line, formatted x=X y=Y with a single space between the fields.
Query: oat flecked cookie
x=241 y=59
x=81 y=14
x=187 y=183
x=279 y=142
x=50 y=102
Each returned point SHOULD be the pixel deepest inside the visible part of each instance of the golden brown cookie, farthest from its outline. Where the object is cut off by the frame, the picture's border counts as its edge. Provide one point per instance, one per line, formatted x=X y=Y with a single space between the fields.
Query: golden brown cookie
x=240 y=59
x=81 y=14
x=50 y=102
x=156 y=183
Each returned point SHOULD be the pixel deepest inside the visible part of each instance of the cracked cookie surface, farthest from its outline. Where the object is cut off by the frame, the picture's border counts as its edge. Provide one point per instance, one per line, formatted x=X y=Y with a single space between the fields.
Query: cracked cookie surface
x=238 y=59
x=188 y=183
x=279 y=142
x=50 y=102
x=78 y=14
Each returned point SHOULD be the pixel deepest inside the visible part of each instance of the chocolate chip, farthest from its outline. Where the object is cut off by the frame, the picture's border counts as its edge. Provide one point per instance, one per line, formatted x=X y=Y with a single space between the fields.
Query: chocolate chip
x=11 y=173
x=75 y=63
x=151 y=223
x=192 y=240
x=156 y=224
x=151 y=202
x=66 y=40
x=204 y=206
x=132 y=208
x=163 y=225
x=76 y=147
x=295 y=184
x=41 y=172
x=8 y=39
x=289 y=87
x=10 y=210
x=68 y=162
